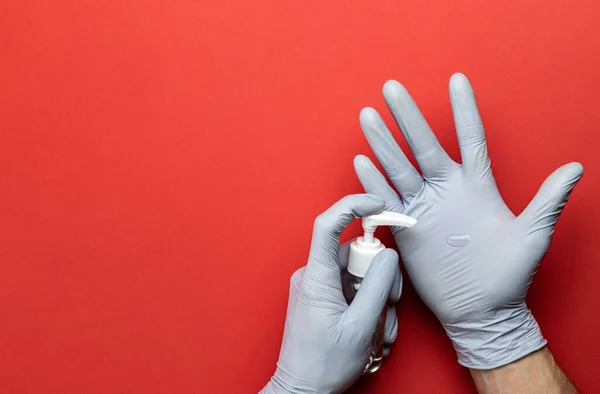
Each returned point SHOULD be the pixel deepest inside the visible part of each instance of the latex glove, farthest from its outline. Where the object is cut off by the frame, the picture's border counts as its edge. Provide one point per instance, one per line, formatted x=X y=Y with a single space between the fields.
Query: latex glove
x=326 y=343
x=470 y=259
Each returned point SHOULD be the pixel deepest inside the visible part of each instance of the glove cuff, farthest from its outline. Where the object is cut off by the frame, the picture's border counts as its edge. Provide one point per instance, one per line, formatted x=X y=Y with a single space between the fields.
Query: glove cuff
x=496 y=340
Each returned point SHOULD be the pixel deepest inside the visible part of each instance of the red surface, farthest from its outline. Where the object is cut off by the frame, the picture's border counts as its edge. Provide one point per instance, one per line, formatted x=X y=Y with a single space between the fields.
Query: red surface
x=142 y=142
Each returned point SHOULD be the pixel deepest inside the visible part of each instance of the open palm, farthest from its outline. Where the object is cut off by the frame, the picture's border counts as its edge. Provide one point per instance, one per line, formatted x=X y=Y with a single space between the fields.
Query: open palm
x=470 y=259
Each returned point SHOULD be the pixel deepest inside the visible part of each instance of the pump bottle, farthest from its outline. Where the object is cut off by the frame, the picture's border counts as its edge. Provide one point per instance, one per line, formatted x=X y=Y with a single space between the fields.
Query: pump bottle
x=362 y=252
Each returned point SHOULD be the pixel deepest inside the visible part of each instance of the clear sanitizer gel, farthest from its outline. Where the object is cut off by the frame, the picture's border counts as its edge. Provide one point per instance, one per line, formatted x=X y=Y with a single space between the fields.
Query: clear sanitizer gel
x=362 y=252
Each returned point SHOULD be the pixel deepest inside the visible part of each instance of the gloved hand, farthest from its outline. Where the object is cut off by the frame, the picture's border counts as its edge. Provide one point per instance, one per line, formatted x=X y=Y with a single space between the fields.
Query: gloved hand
x=470 y=259
x=326 y=343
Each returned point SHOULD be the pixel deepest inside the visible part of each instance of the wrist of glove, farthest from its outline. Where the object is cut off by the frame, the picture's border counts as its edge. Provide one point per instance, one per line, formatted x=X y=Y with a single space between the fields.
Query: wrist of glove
x=497 y=338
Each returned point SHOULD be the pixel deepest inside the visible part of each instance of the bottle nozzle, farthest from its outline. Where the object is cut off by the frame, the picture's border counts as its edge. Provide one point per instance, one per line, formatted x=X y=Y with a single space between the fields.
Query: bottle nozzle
x=385 y=218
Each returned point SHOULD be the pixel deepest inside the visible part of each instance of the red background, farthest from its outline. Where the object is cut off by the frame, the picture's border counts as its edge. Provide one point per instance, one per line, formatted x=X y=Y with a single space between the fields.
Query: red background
x=161 y=164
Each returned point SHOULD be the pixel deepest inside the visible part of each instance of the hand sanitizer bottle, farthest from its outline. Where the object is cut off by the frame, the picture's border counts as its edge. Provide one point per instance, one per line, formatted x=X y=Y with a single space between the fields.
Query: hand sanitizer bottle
x=362 y=252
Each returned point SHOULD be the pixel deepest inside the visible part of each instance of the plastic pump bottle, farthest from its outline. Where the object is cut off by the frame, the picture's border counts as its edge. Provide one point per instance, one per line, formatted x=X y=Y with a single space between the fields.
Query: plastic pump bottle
x=362 y=252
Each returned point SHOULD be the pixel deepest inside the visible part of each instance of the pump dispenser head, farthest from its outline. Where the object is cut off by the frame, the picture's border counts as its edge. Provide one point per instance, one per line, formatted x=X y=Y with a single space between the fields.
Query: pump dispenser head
x=385 y=218
x=364 y=249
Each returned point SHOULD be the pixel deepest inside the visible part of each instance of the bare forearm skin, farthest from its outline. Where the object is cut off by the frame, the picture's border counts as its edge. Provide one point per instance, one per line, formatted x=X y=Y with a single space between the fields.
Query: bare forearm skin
x=536 y=373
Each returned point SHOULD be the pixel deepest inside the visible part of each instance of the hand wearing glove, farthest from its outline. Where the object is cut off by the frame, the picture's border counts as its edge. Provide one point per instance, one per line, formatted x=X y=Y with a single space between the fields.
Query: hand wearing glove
x=470 y=259
x=326 y=343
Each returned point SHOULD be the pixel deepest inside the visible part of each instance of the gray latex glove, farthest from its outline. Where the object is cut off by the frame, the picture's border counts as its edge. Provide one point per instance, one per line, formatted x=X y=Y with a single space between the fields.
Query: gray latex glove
x=470 y=259
x=326 y=343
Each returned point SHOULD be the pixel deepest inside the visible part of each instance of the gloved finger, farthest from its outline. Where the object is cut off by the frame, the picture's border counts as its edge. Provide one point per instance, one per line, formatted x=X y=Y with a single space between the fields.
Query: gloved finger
x=396 y=292
x=323 y=269
x=386 y=351
x=401 y=172
x=543 y=211
x=372 y=296
x=344 y=254
x=374 y=183
x=396 y=287
x=431 y=157
x=391 y=326
x=469 y=128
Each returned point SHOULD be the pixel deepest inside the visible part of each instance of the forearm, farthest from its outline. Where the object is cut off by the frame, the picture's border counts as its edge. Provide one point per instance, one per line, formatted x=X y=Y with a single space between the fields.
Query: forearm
x=536 y=373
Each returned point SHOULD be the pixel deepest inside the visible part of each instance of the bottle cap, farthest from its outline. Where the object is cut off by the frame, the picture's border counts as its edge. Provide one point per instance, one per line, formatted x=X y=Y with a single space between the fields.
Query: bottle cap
x=364 y=249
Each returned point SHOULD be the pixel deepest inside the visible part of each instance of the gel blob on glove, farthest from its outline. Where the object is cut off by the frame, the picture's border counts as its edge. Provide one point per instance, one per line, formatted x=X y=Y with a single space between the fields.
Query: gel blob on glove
x=326 y=342
x=470 y=259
